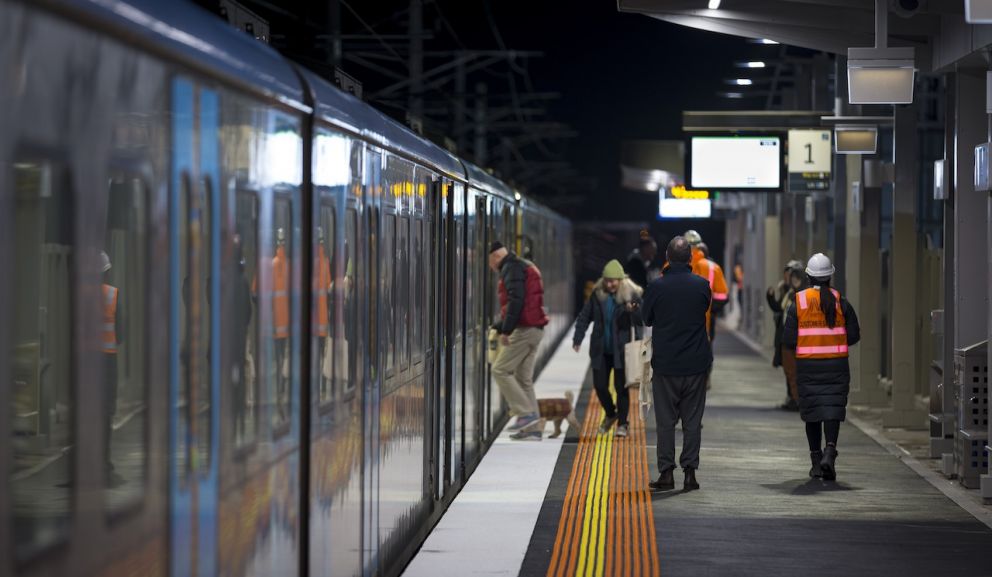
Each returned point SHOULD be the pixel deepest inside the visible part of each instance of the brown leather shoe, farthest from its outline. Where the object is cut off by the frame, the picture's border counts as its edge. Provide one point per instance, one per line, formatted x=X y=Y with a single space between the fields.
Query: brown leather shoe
x=690 y=483
x=665 y=482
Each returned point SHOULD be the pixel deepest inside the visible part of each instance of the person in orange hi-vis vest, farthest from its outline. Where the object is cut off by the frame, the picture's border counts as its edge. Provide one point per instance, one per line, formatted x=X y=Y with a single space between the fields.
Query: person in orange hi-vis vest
x=112 y=332
x=321 y=317
x=709 y=270
x=821 y=325
x=280 y=319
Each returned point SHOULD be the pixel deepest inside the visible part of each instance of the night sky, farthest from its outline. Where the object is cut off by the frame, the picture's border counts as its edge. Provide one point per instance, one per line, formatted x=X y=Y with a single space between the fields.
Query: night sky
x=622 y=76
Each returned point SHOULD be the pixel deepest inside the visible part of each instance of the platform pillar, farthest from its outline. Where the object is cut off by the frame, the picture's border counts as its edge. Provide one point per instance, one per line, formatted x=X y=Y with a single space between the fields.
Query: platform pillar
x=863 y=279
x=905 y=252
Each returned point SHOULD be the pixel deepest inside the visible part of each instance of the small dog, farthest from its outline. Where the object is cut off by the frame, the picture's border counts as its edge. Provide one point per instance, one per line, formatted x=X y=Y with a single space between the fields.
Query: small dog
x=559 y=410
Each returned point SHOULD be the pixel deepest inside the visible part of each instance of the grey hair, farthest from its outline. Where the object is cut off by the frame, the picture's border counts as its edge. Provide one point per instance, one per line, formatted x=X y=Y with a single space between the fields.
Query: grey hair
x=679 y=250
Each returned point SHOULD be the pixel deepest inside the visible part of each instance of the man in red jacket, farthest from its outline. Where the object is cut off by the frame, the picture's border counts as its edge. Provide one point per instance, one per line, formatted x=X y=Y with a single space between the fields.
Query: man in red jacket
x=521 y=327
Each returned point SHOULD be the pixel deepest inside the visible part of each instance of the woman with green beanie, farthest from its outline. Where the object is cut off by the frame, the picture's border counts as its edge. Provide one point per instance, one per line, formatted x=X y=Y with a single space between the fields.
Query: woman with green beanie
x=614 y=311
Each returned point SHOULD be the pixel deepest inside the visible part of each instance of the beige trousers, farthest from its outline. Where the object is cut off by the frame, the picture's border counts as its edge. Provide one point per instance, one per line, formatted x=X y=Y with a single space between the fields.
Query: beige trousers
x=513 y=370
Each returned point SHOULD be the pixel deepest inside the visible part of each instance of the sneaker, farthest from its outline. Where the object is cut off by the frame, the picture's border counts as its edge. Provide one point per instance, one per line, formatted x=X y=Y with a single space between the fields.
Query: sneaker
x=527 y=436
x=523 y=421
x=622 y=431
x=607 y=423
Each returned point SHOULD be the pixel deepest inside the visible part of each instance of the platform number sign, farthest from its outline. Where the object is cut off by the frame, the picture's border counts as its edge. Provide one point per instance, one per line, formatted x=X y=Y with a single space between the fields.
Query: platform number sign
x=810 y=151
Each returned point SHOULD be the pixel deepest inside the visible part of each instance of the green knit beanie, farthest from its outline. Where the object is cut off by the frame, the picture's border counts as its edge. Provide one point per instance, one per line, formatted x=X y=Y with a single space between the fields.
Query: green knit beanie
x=613 y=269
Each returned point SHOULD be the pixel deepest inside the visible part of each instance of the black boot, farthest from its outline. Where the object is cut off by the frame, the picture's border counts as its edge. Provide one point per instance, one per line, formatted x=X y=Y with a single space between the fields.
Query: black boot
x=815 y=457
x=665 y=482
x=828 y=463
x=690 y=483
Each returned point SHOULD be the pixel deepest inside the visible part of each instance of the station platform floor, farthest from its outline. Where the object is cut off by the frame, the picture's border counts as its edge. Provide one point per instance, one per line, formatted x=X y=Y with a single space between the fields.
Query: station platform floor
x=582 y=506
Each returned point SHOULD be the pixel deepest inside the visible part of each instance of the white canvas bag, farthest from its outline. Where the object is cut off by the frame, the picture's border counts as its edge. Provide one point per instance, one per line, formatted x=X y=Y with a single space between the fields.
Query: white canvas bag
x=637 y=360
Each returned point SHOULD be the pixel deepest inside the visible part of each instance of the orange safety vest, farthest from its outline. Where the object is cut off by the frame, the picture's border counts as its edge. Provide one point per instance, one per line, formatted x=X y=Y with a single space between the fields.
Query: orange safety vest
x=280 y=294
x=713 y=274
x=816 y=339
x=321 y=286
x=110 y=319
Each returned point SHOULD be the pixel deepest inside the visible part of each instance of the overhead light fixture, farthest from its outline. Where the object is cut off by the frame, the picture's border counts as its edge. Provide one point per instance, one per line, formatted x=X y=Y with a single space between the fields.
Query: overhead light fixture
x=714 y=4
x=734 y=95
x=881 y=75
x=751 y=64
x=978 y=11
x=855 y=139
x=767 y=41
x=743 y=81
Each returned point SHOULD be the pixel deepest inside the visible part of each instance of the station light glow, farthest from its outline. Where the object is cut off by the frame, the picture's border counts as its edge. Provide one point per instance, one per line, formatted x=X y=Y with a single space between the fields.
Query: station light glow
x=714 y=4
x=680 y=191
x=684 y=208
x=767 y=41
x=734 y=95
x=743 y=81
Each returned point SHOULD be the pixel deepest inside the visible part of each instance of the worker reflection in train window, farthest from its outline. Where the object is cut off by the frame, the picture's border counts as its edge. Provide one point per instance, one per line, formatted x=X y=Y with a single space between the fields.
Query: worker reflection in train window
x=241 y=313
x=820 y=326
x=280 y=320
x=521 y=327
x=614 y=311
x=112 y=335
x=321 y=315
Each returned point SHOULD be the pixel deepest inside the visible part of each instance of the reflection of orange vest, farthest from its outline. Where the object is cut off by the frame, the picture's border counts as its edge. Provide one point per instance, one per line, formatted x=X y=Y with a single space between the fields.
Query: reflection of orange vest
x=321 y=286
x=816 y=339
x=110 y=319
x=280 y=294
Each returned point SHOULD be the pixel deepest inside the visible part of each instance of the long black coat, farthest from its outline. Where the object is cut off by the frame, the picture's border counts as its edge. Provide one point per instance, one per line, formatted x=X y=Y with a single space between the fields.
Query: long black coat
x=623 y=322
x=823 y=383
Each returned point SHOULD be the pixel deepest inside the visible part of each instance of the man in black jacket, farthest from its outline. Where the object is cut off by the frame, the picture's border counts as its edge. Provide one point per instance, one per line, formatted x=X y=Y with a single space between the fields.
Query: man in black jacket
x=675 y=305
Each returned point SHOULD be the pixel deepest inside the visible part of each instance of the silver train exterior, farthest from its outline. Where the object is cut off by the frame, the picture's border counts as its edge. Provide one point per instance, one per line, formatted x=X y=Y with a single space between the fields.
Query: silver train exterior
x=282 y=372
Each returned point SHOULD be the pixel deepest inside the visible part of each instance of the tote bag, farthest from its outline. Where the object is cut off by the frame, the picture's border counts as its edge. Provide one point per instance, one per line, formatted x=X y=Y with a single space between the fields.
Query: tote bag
x=637 y=360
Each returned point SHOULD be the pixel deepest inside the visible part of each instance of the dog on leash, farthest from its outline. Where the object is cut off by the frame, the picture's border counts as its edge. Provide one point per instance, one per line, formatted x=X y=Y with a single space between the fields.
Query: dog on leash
x=559 y=410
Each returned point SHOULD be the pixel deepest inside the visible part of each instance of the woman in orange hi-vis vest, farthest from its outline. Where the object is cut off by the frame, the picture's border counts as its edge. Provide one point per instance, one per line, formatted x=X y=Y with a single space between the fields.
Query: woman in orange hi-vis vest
x=820 y=325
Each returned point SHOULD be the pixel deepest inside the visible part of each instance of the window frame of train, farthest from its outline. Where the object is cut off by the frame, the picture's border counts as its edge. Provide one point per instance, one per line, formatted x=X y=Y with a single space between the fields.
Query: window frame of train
x=53 y=161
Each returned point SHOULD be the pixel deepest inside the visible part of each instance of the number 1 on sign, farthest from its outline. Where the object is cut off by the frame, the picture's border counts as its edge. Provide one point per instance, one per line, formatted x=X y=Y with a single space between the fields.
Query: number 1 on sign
x=809 y=152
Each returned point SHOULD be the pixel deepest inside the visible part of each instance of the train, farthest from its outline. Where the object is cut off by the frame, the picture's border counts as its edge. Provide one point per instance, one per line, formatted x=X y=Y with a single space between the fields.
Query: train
x=243 y=323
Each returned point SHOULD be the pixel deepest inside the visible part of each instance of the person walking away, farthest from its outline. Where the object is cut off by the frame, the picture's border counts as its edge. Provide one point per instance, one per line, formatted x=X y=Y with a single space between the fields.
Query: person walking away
x=521 y=327
x=779 y=298
x=739 y=286
x=676 y=306
x=614 y=311
x=820 y=326
x=640 y=263
x=112 y=337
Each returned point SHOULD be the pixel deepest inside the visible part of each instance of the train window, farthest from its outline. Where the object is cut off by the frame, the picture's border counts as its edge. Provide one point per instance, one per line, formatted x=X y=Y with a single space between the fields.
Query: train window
x=124 y=341
x=323 y=305
x=40 y=357
x=419 y=308
x=279 y=343
x=347 y=293
x=243 y=321
x=403 y=291
x=388 y=291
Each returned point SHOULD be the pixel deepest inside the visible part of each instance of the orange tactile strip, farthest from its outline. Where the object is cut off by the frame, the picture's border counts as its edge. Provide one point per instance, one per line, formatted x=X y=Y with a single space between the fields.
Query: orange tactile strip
x=607 y=522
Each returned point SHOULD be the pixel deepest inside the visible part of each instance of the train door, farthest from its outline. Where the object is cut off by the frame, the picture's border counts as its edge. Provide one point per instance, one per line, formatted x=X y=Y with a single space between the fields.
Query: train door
x=441 y=327
x=373 y=362
x=194 y=328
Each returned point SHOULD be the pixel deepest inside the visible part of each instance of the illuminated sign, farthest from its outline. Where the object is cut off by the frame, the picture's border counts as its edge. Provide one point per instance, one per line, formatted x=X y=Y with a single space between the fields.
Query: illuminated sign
x=679 y=191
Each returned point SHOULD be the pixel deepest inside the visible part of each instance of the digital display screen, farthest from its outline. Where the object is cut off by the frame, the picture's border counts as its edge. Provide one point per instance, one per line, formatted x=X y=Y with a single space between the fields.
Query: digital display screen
x=684 y=207
x=735 y=162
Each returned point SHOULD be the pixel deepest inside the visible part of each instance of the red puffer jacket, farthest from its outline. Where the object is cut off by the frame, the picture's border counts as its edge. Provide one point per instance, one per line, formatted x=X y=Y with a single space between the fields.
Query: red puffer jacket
x=521 y=295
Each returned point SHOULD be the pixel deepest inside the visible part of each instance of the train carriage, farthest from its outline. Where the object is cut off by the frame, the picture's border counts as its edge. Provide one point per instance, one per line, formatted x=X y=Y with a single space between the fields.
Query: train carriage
x=294 y=381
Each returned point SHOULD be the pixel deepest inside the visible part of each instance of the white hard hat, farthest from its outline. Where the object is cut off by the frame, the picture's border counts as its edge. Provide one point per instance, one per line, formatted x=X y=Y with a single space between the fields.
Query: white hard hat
x=104 y=262
x=693 y=237
x=819 y=266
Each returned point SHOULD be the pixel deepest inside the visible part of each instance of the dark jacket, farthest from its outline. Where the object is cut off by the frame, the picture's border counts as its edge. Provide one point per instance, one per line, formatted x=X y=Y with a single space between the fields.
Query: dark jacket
x=623 y=320
x=637 y=269
x=775 y=305
x=675 y=305
x=823 y=383
x=521 y=295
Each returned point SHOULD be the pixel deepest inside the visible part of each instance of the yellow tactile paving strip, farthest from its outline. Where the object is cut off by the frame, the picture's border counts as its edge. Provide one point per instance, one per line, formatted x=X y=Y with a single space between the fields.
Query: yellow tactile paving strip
x=607 y=525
